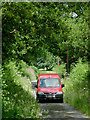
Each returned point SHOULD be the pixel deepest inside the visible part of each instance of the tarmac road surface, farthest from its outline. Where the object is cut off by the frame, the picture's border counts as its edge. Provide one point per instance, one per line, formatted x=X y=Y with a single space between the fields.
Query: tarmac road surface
x=60 y=110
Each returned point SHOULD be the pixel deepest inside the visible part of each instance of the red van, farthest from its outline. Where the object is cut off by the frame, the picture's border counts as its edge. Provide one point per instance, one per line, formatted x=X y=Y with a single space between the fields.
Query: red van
x=49 y=87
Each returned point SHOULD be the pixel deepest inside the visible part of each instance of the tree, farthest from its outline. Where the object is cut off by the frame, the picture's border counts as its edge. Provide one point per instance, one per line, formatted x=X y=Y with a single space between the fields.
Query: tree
x=31 y=29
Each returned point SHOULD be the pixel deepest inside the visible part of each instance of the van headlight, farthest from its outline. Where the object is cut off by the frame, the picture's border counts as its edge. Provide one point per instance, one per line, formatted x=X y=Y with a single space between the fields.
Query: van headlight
x=60 y=92
x=40 y=93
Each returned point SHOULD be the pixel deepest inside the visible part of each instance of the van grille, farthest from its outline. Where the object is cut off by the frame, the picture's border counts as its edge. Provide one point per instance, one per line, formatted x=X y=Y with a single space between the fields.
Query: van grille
x=49 y=93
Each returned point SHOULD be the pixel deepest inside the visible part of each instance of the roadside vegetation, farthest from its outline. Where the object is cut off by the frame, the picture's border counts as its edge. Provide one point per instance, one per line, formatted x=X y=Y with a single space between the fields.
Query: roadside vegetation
x=17 y=100
x=76 y=89
x=60 y=70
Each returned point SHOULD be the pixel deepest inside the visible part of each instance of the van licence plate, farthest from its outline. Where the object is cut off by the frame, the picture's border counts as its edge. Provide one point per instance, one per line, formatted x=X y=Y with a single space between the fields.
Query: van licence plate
x=49 y=96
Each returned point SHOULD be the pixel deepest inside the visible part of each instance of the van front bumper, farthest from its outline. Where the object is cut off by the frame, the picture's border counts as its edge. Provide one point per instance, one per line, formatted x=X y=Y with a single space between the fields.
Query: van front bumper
x=50 y=96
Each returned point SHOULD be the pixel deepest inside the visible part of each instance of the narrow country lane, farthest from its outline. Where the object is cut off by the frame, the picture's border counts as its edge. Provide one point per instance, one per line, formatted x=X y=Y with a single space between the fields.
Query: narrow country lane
x=60 y=110
x=55 y=110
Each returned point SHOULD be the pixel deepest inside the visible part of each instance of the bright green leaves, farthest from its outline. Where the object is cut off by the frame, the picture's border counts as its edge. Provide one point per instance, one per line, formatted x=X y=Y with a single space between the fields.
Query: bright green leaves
x=32 y=21
x=30 y=28
x=27 y=36
x=76 y=86
x=77 y=40
x=17 y=101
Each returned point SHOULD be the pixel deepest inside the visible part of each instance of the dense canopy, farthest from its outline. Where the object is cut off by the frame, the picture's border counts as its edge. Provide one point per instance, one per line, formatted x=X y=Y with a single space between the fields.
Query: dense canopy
x=30 y=30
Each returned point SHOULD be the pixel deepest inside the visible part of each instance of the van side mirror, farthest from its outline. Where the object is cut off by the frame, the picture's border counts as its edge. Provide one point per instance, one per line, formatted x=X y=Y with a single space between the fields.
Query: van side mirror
x=62 y=85
x=36 y=86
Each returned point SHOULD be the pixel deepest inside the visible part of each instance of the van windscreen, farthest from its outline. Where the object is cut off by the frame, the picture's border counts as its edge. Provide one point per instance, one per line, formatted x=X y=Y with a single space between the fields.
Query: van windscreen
x=49 y=82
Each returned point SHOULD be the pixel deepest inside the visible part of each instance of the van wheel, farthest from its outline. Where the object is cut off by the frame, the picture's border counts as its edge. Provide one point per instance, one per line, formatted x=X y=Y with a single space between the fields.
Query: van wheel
x=40 y=101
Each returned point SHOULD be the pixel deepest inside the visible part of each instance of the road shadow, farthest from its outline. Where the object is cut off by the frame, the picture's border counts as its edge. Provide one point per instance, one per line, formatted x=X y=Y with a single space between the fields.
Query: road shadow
x=50 y=101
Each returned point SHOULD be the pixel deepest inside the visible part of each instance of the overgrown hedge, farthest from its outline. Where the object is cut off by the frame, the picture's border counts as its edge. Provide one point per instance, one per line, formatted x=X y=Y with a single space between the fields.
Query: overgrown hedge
x=60 y=70
x=22 y=67
x=17 y=100
x=36 y=70
x=76 y=87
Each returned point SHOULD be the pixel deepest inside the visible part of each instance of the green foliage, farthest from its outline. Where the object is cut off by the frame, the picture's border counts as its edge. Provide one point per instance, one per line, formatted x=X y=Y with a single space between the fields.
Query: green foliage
x=23 y=70
x=60 y=70
x=31 y=29
x=45 y=71
x=17 y=101
x=48 y=62
x=76 y=87
x=36 y=70
x=0 y=92
x=78 y=38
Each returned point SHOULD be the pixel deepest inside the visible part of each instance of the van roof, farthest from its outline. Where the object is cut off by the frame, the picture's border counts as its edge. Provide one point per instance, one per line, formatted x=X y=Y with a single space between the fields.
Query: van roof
x=48 y=75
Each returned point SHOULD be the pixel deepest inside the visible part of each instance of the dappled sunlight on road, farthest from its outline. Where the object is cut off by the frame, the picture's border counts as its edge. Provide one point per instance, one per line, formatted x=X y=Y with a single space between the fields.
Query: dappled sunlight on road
x=59 y=110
